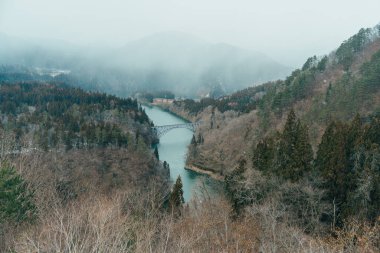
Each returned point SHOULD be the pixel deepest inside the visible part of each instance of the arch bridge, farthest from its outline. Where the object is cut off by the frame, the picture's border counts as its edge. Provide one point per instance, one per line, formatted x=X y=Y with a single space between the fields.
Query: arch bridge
x=161 y=130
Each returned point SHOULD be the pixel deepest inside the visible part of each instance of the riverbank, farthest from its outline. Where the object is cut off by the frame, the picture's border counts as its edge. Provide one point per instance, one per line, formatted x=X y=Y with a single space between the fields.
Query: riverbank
x=209 y=173
x=173 y=148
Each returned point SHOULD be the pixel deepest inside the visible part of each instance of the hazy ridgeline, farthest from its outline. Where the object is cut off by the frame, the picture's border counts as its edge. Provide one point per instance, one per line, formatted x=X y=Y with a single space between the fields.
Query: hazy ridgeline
x=186 y=65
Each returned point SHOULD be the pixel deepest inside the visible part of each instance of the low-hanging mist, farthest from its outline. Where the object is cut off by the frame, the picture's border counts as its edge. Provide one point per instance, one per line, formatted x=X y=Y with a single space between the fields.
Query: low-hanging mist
x=181 y=63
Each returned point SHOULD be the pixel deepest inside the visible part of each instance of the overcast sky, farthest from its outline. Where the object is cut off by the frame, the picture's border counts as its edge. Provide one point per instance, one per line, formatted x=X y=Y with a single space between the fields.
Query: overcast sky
x=287 y=30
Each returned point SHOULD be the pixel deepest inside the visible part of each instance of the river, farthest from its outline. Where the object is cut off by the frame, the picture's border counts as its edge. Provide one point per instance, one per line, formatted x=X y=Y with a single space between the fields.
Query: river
x=173 y=148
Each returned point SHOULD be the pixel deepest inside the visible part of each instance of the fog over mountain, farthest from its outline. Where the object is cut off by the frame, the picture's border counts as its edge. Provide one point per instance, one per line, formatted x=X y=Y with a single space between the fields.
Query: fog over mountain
x=179 y=62
x=124 y=46
x=288 y=31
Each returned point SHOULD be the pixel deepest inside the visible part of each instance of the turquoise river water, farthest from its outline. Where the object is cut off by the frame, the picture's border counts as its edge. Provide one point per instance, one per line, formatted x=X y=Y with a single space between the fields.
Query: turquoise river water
x=172 y=149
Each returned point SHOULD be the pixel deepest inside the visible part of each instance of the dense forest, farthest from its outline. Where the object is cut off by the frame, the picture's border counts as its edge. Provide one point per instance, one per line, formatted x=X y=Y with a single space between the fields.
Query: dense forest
x=61 y=145
x=358 y=83
x=344 y=176
x=56 y=116
x=305 y=148
x=77 y=174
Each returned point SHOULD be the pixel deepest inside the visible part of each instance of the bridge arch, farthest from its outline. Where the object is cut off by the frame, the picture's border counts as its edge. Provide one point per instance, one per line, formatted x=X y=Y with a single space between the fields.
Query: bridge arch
x=159 y=131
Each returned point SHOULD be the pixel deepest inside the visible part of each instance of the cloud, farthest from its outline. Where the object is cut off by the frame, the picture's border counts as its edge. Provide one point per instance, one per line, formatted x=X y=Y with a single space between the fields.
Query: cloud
x=288 y=30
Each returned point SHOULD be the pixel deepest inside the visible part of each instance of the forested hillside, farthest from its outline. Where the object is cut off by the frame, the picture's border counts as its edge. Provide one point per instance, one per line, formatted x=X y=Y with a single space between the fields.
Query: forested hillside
x=332 y=87
x=77 y=174
x=56 y=116
x=61 y=146
x=189 y=126
x=308 y=144
x=299 y=158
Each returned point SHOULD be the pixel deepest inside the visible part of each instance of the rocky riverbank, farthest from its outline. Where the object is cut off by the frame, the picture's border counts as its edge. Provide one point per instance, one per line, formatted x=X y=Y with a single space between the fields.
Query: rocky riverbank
x=209 y=173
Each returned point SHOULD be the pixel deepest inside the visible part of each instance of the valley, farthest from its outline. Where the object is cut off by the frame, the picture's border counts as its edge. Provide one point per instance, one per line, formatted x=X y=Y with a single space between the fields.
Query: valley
x=172 y=149
x=163 y=141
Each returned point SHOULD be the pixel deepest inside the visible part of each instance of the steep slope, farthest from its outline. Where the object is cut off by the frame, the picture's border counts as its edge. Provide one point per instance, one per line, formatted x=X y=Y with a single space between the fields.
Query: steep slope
x=307 y=146
x=67 y=146
x=336 y=86
x=88 y=141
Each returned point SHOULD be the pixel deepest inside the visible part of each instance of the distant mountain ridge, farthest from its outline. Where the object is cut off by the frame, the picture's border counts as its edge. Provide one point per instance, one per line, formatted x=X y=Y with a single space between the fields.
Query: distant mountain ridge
x=174 y=61
x=184 y=59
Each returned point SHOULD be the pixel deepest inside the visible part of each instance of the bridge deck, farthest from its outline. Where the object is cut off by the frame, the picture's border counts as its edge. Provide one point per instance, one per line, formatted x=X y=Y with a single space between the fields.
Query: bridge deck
x=161 y=130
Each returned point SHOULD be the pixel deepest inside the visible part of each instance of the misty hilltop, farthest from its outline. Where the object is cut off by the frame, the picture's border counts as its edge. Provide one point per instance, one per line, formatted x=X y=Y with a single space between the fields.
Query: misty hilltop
x=179 y=62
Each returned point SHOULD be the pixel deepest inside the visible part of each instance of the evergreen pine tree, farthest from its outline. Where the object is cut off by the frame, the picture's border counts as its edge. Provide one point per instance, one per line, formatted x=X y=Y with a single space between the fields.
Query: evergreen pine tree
x=235 y=188
x=193 y=140
x=372 y=132
x=332 y=164
x=176 y=199
x=354 y=136
x=294 y=154
x=156 y=153
x=166 y=169
x=16 y=202
x=284 y=162
x=347 y=161
x=166 y=165
x=304 y=151
x=200 y=139
x=374 y=191
x=331 y=161
x=263 y=155
x=363 y=200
